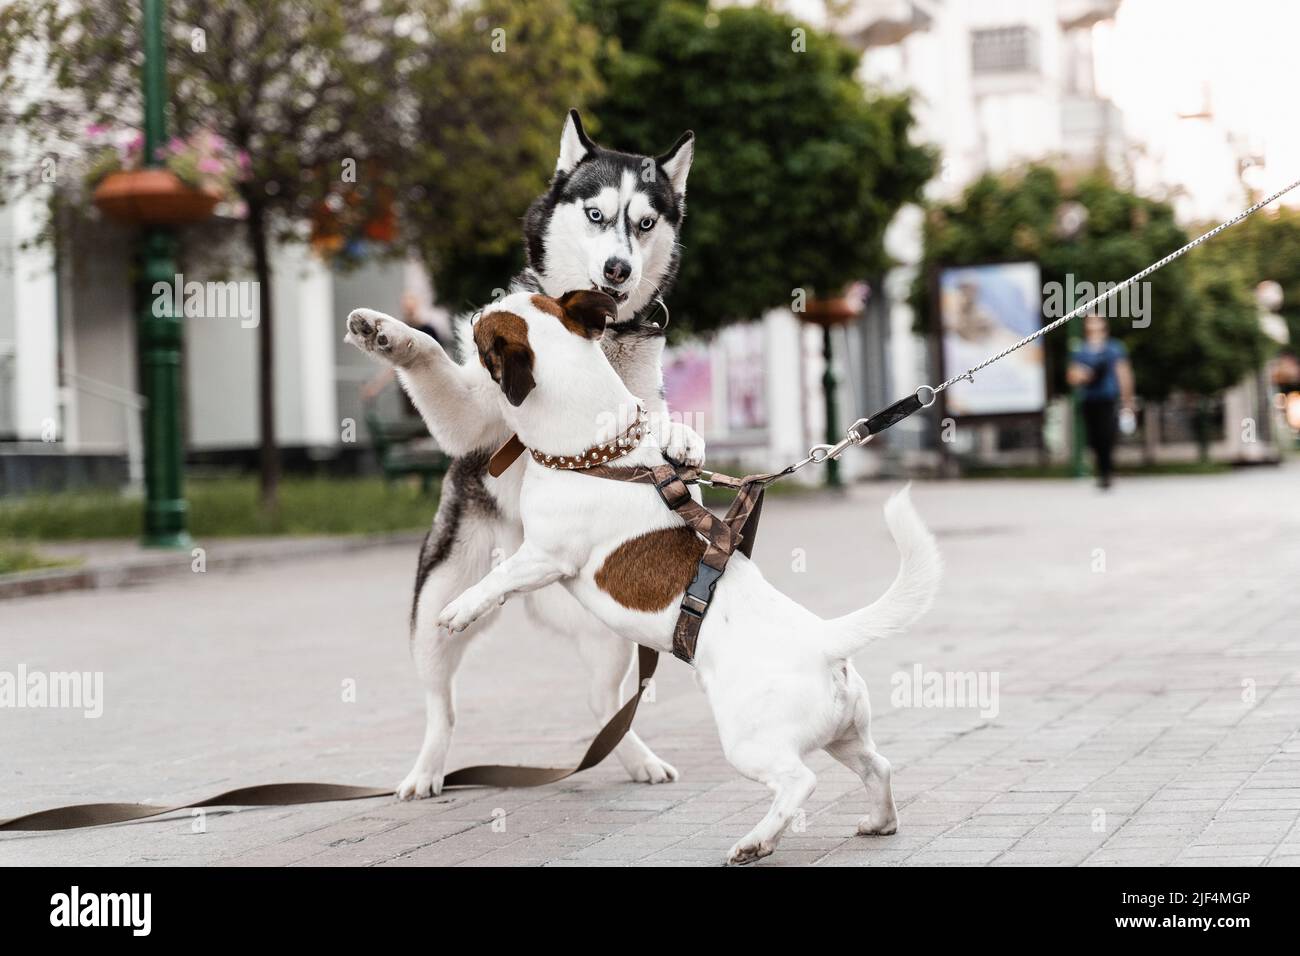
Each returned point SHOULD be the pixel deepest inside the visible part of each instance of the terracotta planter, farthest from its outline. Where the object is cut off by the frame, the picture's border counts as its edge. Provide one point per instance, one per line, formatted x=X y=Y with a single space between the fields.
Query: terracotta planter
x=152 y=196
x=829 y=312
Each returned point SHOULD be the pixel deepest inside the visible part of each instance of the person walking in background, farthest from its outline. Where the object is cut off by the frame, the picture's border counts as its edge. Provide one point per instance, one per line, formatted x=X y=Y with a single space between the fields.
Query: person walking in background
x=1101 y=370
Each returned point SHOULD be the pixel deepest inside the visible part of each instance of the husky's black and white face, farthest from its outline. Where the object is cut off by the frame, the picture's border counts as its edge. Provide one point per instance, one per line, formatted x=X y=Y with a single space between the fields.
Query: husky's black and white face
x=609 y=221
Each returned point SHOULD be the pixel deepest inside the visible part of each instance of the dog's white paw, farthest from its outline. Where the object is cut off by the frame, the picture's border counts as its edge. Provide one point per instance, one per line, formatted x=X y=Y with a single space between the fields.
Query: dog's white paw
x=419 y=783
x=462 y=611
x=380 y=335
x=683 y=444
x=874 y=824
x=749 y=850
x=653 y=770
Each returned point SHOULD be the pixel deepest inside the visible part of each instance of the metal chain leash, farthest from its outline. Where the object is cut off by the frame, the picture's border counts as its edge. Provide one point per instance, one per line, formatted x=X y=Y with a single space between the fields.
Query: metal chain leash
x=865 y=429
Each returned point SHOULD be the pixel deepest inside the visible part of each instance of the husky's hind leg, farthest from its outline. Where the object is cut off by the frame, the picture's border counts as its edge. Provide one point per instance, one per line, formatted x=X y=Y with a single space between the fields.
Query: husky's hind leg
x=608 y=659
x=457 y=554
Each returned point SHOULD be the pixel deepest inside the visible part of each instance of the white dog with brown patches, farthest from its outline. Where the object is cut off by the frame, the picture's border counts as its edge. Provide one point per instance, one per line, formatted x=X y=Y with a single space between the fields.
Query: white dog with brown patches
x=777 y=676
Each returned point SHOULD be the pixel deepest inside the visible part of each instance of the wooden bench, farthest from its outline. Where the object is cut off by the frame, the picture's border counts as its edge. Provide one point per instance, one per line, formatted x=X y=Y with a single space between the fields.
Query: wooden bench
x=405 y=448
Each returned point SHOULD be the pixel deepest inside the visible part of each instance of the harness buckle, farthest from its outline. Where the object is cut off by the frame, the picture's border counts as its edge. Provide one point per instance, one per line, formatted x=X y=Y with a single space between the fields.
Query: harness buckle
x=699 y=593
x=672 y=489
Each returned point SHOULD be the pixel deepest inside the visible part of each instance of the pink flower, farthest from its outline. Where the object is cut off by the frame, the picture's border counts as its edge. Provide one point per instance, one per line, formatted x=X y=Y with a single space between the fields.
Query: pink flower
x=211 y=166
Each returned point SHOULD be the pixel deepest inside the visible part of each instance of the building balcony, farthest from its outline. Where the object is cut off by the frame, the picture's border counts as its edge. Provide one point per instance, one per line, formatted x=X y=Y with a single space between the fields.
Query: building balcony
x=1079 y=14
x=877 y=23
x=1092 y=130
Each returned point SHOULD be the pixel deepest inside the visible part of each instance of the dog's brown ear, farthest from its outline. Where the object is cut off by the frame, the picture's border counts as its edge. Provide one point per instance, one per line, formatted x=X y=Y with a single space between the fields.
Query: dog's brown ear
x=502 y=340
x=588 y=311
x=511 y=366
x=517 y=373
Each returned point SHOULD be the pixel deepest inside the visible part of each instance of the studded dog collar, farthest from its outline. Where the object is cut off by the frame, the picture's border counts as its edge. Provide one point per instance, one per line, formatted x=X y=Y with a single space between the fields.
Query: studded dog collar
x=597 y=454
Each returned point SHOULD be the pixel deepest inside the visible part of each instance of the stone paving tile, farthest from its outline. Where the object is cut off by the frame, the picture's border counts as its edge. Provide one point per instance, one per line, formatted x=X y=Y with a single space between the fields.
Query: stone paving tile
x=1121 y=736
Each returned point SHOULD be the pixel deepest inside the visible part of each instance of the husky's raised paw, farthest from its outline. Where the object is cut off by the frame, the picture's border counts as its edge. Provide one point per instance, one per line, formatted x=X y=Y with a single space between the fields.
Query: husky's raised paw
x=382 y=336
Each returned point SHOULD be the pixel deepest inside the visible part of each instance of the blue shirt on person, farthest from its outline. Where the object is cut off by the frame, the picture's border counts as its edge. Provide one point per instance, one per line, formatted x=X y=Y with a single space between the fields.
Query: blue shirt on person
x=1102 y=361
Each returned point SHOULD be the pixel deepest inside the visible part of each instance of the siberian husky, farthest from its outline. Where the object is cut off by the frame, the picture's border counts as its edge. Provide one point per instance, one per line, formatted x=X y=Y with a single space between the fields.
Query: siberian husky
x=608 y=221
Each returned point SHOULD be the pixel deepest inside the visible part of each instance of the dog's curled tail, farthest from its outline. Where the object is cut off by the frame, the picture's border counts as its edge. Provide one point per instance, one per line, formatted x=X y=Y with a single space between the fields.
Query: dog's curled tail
x=911 y=594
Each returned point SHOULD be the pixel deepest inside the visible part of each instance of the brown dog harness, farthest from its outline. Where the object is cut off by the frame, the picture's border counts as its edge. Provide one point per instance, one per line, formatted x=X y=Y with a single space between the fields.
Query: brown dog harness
x=723 y=536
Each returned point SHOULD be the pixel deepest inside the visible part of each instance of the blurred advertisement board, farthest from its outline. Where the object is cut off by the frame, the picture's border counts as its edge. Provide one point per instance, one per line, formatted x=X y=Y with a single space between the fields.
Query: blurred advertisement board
x=984 y=309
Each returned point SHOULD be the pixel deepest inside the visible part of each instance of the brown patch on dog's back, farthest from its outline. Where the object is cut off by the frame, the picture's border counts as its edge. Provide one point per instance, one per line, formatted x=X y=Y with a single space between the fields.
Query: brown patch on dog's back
x=651 y=571
x=548 y=305
x=551 y=307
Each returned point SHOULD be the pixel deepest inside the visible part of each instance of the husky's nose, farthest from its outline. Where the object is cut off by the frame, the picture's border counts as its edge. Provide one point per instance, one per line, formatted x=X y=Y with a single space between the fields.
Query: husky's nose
x=617 y=270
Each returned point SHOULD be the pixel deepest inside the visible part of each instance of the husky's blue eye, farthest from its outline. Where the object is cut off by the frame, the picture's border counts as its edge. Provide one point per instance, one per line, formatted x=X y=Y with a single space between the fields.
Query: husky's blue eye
x=595 y=215
x=647 y=224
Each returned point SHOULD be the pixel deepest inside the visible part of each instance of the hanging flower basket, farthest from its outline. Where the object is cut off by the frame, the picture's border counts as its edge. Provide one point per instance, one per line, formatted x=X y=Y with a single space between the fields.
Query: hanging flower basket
x=829 y=312
x=153 y=196
x=193 y=176
x=351 y=219
x=833 y=310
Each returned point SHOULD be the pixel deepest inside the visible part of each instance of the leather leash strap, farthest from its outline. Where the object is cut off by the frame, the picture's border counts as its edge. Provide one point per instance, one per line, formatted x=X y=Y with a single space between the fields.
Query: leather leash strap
x=723 y=536
x=289 y=794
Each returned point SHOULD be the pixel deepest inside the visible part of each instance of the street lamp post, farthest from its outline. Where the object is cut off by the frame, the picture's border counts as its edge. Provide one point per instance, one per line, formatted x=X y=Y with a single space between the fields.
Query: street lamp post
x=166 y=511
x=829 y=385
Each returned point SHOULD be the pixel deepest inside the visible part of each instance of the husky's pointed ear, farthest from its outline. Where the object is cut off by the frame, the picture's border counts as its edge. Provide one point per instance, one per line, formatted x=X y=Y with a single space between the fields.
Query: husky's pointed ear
x=574 y=144
x=676 y=163
x=587 y=312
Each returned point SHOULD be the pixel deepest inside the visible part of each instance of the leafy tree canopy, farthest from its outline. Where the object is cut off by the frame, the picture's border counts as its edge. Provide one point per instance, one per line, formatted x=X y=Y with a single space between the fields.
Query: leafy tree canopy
x=488 y=100
x=797 y=169
x=302 y=88
x=284 y=81
x=1267 y=246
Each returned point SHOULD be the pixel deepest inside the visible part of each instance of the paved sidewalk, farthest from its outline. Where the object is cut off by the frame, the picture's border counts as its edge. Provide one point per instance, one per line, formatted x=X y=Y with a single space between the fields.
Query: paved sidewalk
x=115 y=563
x=1144 y=645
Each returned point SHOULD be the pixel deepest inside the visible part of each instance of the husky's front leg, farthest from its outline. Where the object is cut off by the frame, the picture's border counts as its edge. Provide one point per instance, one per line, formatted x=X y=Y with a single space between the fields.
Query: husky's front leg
x=460 y=412
x=527 y=569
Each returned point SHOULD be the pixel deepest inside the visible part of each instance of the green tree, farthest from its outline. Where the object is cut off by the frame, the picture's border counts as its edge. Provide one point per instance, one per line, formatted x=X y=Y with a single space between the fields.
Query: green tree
x=488 y=99
x=301 y=87
x=1203 y=334
x=1267 y=246
x=797 y=170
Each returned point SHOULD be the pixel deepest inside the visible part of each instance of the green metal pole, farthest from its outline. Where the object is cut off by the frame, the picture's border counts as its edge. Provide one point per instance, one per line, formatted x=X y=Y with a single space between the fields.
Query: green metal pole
x=832 y=411
x=165 y=510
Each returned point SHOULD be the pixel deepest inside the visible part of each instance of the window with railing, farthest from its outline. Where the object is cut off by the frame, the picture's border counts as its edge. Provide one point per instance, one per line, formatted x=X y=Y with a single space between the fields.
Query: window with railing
x=1004 y=50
